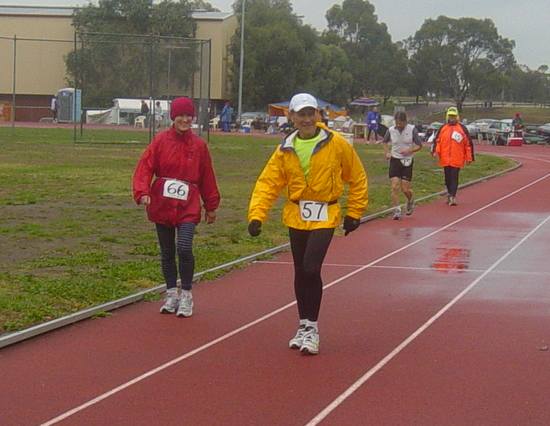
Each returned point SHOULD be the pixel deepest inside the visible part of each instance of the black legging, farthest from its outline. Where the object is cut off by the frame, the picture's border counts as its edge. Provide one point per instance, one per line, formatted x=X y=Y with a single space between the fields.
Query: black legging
x=186 y=260
x=308 y=251
x=451 y=180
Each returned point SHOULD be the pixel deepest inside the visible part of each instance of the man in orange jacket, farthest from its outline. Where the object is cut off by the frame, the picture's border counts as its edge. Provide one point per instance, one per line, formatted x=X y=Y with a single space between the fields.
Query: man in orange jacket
x=453 y=145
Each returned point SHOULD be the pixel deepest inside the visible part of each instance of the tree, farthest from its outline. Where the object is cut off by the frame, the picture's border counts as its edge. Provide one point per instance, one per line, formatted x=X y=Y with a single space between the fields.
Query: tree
x=279 y=52
x=458 y=53
x=114 y=59
x=528 y=85
x=378 y=65
x=334 y=80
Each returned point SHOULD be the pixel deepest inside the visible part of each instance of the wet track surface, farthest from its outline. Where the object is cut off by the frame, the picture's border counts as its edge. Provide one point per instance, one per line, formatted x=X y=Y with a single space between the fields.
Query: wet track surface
x=440 y=318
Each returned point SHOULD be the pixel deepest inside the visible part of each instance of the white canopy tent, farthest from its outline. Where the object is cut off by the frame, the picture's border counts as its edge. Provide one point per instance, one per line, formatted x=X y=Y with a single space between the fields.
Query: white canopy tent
x=124 y=111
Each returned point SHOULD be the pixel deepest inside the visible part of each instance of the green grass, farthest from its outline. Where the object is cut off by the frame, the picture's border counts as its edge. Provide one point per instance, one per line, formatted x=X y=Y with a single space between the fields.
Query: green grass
x=71 y=236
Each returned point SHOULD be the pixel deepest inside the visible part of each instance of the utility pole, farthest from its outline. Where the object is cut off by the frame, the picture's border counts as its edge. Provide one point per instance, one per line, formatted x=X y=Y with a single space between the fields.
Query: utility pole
x=241 y=66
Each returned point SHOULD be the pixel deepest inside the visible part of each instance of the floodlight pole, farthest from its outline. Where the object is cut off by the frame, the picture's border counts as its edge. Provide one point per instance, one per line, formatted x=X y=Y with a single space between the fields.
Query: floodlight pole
x=241 y=66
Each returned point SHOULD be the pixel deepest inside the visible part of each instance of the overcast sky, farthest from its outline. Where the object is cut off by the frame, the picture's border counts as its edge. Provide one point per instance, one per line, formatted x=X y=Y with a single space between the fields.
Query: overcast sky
x=526 y=22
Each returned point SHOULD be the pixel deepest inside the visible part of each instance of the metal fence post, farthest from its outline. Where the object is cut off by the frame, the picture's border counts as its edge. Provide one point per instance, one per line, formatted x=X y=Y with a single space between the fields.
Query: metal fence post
x=14 y=74
x=150 y=87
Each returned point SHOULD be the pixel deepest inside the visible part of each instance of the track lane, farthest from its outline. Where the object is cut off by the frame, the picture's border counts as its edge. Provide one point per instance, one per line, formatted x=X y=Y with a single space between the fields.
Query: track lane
x=144 y=338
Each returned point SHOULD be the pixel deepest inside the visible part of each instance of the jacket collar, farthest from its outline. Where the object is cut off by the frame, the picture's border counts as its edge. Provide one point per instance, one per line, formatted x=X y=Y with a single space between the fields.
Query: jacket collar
x=288 y=142
x=183 y=137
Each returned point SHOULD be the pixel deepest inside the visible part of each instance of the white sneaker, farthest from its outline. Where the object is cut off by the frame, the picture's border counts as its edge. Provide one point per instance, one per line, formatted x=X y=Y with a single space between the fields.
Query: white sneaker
x=296 y=341
x=396 y=213
x=186 y=305
x=171 y=302
x=310 y=344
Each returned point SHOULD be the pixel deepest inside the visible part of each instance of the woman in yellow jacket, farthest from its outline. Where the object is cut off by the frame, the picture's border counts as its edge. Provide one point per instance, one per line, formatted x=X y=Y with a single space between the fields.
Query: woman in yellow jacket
x=313 y=163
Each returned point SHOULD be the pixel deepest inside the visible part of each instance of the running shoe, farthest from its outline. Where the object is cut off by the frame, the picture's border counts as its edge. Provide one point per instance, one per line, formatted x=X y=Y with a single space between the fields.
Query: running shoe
x=397 y=213
x=452 y=201
x=296 y=341
x=171 y=302
x=310 y=344
x=410 y=207
x=186 y=305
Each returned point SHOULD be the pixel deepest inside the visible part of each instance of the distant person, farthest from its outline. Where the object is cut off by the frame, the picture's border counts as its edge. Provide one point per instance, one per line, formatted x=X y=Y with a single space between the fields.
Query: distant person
x=174 y=176
x=404 y=141
x=226 y=117
x=311 y=167
x=53 y=108
x=373 y=122
x=454 y=148
x=517 y=125
x=145 y=112
x=159 y=117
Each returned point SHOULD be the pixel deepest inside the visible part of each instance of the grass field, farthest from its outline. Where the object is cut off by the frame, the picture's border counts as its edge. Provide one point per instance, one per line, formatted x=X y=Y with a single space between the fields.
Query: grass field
x=71 y=236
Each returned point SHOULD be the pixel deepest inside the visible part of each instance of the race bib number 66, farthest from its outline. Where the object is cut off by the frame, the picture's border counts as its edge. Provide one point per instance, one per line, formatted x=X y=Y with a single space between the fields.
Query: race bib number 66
x=313 y=211
x=177 y=189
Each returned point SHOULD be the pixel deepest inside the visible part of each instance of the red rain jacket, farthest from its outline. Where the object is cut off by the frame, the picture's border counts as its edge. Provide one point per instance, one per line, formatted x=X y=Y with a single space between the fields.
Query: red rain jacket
x=453 y=145
x=184 y=157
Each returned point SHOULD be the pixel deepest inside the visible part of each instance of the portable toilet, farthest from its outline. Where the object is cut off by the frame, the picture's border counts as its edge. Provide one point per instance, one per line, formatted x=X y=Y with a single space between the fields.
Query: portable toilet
x=69 y=105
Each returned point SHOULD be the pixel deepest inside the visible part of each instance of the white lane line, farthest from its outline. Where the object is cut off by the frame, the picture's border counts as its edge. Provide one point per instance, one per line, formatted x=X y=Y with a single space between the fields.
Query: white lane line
x=275 y=312
x=417 y=268
x=524 y=157
x=276 y=262
x=361 y=381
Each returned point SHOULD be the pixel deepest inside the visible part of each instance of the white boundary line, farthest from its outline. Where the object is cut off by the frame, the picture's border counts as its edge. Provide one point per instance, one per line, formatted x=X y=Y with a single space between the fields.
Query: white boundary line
x=415 y=268
x=164 y=366
x=348 y=392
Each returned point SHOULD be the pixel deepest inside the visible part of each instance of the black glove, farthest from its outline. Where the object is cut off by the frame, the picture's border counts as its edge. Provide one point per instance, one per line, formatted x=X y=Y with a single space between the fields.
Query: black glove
x=350 y=224
x=255 y=228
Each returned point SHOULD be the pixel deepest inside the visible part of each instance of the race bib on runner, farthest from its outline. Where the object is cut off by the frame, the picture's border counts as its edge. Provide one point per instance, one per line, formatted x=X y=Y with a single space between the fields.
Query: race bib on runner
x=313 y=211
x=406 y=161
x=456 y=136
x=373 y=121
x=177 y=189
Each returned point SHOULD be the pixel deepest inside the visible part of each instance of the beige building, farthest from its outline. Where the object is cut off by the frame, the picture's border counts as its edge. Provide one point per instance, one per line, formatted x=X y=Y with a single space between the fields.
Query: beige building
x=40 y=65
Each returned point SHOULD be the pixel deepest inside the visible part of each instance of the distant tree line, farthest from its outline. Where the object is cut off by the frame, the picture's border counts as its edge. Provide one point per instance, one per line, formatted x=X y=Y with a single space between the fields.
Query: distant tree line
x=355 y=56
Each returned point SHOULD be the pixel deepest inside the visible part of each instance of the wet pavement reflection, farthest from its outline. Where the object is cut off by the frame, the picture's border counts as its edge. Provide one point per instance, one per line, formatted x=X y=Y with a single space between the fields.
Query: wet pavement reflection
x=451 y=259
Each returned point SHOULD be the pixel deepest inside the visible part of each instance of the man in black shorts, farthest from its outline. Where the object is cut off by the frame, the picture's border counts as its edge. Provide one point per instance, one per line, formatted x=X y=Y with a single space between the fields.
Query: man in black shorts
x=404 y=141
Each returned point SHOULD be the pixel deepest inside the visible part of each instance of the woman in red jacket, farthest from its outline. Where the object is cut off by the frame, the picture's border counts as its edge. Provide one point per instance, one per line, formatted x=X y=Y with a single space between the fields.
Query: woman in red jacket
x=182 y=169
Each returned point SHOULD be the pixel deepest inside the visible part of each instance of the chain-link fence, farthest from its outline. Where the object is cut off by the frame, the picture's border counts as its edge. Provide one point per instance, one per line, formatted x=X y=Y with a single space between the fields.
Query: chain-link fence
x=103 y=82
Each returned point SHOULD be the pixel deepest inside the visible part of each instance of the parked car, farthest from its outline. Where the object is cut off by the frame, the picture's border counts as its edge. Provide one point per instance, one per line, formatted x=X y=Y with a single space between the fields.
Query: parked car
x=256 y=120
x=480 y=127
x=432 y=130
x=499 y=131
x=544 y=130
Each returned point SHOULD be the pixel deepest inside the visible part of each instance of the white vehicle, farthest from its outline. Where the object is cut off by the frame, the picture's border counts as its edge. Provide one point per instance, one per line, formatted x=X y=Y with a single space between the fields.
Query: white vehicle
x=499 y=131
x=480 y=127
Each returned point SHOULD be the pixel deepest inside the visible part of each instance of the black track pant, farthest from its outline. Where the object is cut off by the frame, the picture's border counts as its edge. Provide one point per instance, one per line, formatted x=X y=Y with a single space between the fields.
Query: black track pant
x=184 y=246
x=451 y=180
x=308 y=251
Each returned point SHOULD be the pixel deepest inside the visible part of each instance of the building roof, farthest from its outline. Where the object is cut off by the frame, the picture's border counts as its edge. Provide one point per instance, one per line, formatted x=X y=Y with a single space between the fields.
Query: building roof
x=37 y=10
x=68 y=11
x=210 y=16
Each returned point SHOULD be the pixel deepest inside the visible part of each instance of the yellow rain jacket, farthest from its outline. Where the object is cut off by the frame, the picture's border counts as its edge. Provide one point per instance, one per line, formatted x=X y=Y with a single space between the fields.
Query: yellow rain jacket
x=333 y=163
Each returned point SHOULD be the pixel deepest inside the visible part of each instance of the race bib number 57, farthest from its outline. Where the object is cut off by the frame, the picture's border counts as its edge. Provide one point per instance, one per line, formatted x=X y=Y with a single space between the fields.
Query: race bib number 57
x=313 y=211
x=177 y=189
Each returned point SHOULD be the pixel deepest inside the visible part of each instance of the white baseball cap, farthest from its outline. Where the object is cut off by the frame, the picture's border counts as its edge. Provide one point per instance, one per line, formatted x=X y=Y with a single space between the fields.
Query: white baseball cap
x=301 y=101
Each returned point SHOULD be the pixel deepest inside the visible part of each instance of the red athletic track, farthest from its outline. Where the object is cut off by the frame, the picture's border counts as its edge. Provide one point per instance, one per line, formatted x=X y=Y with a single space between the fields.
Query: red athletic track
x=482 y=361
